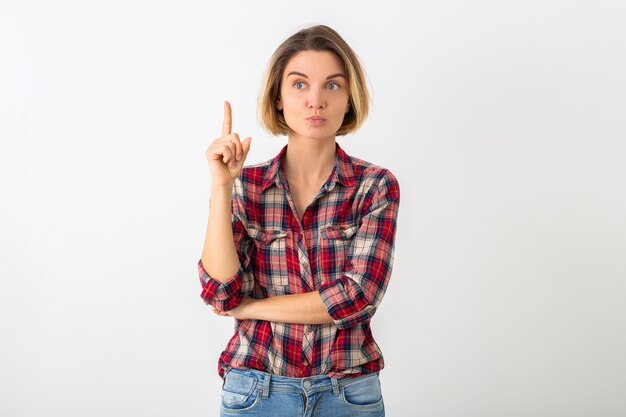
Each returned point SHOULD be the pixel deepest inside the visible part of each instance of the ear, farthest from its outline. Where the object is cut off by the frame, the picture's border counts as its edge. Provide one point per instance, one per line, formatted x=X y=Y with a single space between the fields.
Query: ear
x=279 y=104
x=348 y=106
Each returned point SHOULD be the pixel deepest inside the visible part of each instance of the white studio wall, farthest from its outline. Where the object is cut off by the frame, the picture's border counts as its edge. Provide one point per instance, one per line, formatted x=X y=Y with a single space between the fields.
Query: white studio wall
x=502 y=120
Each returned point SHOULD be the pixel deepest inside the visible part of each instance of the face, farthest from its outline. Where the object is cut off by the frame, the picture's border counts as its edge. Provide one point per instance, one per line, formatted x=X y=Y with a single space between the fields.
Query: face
x=314 y=95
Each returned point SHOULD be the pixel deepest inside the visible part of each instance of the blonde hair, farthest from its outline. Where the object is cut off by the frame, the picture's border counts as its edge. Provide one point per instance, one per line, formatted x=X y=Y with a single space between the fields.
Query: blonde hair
x=315 y=38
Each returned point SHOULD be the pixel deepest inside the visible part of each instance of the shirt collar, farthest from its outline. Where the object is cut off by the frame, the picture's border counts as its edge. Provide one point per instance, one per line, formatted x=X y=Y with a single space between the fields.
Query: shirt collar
x=343 y=171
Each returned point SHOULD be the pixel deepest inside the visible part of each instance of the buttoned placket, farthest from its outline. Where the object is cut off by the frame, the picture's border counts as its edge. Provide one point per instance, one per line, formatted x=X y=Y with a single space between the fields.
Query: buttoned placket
x=308 y=337
x=303 y=254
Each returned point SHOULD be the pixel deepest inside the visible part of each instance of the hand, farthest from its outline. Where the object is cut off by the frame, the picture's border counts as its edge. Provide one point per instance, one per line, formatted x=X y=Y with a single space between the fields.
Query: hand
x=241 y=312
x=227 y=153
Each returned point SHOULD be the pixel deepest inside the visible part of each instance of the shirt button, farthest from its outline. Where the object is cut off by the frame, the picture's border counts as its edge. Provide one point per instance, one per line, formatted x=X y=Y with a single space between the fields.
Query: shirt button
x=307 y=384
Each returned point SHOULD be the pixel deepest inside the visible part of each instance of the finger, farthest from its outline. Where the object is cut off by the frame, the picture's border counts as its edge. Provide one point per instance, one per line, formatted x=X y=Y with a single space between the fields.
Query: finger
x=227 y=153
x=219 y=151
x=220 y=313
x=234 y=145
x=238 y=148
x=228 y=119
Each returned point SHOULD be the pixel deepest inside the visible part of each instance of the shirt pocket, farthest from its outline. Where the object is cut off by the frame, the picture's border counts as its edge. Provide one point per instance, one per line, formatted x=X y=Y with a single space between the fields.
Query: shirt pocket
x=335 y=242
x=270 y=262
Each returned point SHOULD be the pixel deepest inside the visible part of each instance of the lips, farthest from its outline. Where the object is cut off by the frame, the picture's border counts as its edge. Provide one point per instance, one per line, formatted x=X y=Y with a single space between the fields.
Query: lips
x=316 y=120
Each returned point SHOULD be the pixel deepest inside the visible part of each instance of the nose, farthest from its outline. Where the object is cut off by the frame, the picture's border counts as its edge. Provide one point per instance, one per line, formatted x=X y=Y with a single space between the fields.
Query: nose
x=316 y=99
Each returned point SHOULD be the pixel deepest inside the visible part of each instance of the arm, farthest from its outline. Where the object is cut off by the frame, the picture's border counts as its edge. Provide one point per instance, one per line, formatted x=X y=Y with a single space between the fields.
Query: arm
x=306 y=308
x=225 y=292
x=219 y=255
x=354 y=297
x=224 y=266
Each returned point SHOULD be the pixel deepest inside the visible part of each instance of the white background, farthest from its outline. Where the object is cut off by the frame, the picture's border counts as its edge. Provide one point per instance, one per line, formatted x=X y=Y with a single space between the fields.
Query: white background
x=504 y=122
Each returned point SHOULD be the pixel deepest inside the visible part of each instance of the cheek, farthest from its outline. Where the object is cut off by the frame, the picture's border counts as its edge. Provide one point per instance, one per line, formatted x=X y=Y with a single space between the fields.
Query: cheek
x=291 y=105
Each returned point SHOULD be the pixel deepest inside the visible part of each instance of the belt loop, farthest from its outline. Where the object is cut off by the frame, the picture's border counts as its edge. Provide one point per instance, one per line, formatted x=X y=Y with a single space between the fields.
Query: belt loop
x=335 y=384
x=226 y=371
x=265 y=390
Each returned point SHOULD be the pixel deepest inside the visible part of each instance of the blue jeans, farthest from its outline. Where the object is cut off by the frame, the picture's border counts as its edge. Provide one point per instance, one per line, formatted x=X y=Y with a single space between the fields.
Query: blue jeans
x=254 y=393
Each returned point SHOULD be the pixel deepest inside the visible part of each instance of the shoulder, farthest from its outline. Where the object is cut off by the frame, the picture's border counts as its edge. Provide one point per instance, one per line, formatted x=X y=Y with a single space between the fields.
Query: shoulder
x=252 y=177
x=255 y=173
x=375 y=177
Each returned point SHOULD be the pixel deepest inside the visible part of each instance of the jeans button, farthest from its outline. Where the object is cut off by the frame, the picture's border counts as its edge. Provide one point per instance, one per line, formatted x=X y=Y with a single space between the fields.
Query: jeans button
x=307 y=384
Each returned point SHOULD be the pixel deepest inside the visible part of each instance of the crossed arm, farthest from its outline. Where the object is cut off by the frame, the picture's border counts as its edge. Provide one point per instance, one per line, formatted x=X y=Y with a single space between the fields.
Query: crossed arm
x=306 y=308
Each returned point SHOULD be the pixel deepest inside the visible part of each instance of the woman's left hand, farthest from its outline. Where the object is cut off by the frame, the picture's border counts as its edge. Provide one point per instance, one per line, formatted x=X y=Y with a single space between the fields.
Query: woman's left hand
x=240 y=312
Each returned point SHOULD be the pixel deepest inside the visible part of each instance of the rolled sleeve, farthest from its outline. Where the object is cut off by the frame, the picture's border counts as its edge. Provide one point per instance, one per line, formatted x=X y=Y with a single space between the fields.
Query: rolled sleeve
x=223 y=296
x=354 y=297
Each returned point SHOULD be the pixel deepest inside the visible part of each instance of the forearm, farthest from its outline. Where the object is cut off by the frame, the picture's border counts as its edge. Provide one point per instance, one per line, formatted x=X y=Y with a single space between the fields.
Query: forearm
x=219 y=255
x=306 y=308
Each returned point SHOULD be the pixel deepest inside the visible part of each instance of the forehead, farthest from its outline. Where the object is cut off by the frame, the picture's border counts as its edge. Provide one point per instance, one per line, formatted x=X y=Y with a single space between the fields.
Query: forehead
x=314 y=64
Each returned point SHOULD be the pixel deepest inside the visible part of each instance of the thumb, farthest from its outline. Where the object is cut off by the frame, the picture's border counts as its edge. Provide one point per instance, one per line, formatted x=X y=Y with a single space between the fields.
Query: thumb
x=246 y=146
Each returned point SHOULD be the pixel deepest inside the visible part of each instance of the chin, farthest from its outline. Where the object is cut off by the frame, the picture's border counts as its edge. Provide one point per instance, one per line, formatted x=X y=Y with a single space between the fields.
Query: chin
x=317 y=133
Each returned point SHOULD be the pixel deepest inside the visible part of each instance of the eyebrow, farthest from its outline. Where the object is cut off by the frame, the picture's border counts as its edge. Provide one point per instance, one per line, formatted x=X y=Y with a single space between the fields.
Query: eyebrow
x=339 y=74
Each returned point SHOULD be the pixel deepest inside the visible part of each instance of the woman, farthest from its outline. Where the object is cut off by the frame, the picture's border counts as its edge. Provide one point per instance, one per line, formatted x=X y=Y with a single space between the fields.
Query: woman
x=299 y=249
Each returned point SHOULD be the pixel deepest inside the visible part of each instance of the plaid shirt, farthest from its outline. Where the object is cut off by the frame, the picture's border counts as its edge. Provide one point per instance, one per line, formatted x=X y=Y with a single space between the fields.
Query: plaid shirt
x=343 y=248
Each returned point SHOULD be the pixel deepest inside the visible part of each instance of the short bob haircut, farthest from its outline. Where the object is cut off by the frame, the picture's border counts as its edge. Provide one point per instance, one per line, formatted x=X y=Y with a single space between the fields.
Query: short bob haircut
x=315 y=38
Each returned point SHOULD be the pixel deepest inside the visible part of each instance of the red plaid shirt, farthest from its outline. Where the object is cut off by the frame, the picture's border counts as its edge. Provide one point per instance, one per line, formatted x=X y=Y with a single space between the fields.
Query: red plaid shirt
x=343 y=248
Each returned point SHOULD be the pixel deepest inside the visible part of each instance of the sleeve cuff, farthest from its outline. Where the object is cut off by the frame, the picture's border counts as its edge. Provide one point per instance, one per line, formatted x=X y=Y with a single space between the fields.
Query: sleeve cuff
x=222 y=295
x=347 y=306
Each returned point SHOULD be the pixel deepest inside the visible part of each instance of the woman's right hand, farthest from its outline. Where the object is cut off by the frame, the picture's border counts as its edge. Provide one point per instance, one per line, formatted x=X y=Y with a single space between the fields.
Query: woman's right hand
x=227 y=153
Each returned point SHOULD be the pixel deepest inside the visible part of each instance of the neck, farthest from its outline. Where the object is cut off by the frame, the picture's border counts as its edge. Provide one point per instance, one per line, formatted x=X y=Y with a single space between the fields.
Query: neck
x=309 y=161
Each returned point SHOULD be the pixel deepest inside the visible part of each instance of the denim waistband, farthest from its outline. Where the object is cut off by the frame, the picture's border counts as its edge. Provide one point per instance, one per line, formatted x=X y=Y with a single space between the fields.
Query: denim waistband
x=275 y=383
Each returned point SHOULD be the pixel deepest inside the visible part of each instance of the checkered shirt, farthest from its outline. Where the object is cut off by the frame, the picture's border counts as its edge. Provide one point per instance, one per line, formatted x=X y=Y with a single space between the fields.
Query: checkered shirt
x=342 y=248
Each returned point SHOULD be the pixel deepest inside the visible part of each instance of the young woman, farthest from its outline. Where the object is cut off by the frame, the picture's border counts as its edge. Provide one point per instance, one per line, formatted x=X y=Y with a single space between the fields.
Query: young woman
x=299 y=249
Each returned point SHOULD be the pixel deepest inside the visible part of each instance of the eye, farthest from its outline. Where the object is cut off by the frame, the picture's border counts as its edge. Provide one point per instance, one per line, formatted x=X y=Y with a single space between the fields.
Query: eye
x=333 y=86
x=299 y=85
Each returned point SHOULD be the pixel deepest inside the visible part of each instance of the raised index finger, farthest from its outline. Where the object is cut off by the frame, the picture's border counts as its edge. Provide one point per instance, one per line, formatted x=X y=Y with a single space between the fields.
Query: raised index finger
x=228 y=119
